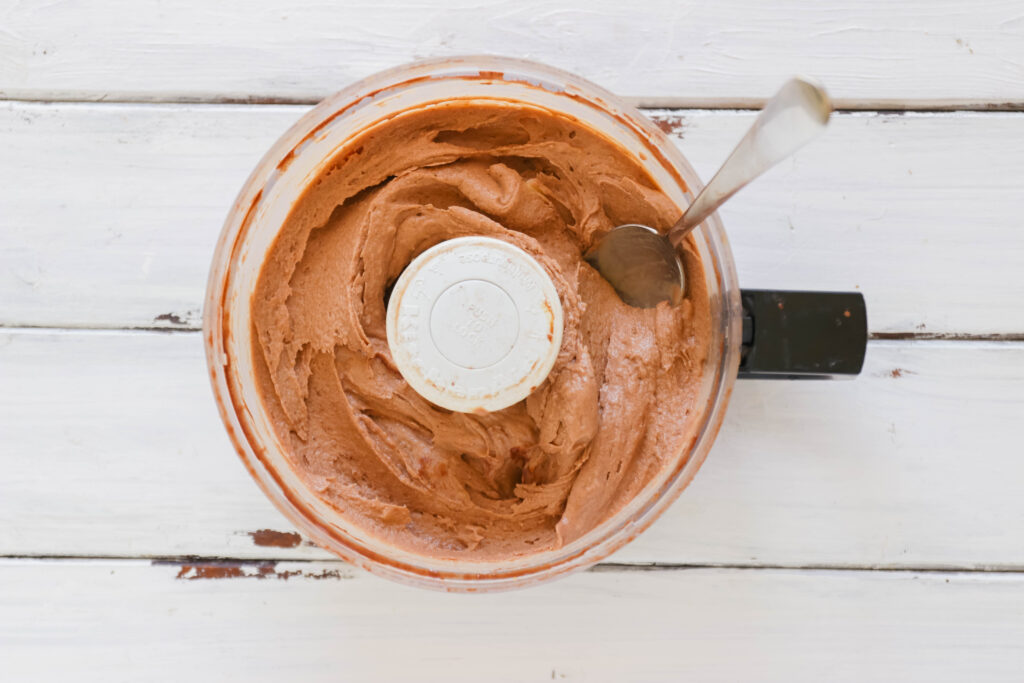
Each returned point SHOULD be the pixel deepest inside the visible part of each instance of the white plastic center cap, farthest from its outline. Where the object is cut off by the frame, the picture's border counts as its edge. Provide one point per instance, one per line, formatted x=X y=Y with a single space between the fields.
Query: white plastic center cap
x=474 y=324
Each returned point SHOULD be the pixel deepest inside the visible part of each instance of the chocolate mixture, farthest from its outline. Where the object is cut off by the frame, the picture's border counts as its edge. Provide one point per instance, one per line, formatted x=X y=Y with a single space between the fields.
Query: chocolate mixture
x=613 y=412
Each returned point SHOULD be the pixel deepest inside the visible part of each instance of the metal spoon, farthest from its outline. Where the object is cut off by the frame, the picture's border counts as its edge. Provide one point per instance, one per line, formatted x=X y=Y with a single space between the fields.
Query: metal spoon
x=642 y=265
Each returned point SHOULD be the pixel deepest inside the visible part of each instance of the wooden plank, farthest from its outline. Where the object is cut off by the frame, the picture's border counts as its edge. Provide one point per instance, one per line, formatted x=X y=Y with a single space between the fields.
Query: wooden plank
x=121 y=230
x=685 y=53
x=113 y=448
x=918 y=211
x=103 y=620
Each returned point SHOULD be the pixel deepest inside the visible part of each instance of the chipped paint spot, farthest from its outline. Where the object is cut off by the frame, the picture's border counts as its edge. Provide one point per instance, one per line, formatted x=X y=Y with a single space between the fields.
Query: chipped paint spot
x=172 y=318
x=193 y=572
x=240 y=570
x=670 y=124
x=268 y=538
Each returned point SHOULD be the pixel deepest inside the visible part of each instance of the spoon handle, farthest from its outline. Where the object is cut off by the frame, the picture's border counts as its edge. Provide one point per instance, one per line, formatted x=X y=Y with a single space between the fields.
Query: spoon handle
x=790 y=119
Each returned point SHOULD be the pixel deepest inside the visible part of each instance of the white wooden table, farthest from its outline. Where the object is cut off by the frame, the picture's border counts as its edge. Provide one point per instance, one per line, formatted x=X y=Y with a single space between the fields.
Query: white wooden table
x=864 y=530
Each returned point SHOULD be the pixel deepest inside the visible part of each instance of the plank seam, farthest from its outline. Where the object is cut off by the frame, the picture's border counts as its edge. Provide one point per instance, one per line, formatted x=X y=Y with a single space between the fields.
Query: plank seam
x=690 y=107
x=641 y=102
x=179 y=560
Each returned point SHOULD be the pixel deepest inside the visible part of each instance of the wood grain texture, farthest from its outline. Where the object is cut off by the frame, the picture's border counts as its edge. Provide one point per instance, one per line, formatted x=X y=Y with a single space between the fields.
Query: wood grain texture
x=682 y=52
x=109 y=213
x=101 y=621
x=113 y=447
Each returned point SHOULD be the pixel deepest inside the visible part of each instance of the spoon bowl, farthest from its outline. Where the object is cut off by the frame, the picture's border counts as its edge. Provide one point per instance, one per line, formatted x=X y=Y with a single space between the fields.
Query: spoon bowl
x=643 y=265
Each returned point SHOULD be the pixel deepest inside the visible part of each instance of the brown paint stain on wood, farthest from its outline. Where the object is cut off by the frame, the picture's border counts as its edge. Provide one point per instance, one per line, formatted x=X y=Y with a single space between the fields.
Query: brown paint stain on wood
x=268 y=538
x=239 y=570
x=669 y=124
x=172 y=318
x=195 y=572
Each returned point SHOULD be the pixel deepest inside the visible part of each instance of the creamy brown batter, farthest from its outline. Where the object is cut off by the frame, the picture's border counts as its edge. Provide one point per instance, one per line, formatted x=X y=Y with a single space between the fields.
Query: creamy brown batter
x=539 y=474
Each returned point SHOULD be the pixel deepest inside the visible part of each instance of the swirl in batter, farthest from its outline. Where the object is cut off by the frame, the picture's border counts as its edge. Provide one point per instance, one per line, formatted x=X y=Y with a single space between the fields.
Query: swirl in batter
x=617 y=408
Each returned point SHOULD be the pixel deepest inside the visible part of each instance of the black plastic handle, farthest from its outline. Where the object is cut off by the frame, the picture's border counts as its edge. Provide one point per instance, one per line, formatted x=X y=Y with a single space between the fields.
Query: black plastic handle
x=802 y=335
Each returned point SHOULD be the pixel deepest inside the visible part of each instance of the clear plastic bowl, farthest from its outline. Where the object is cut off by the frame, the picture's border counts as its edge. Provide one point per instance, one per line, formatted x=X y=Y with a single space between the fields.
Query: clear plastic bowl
x=262 y=207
